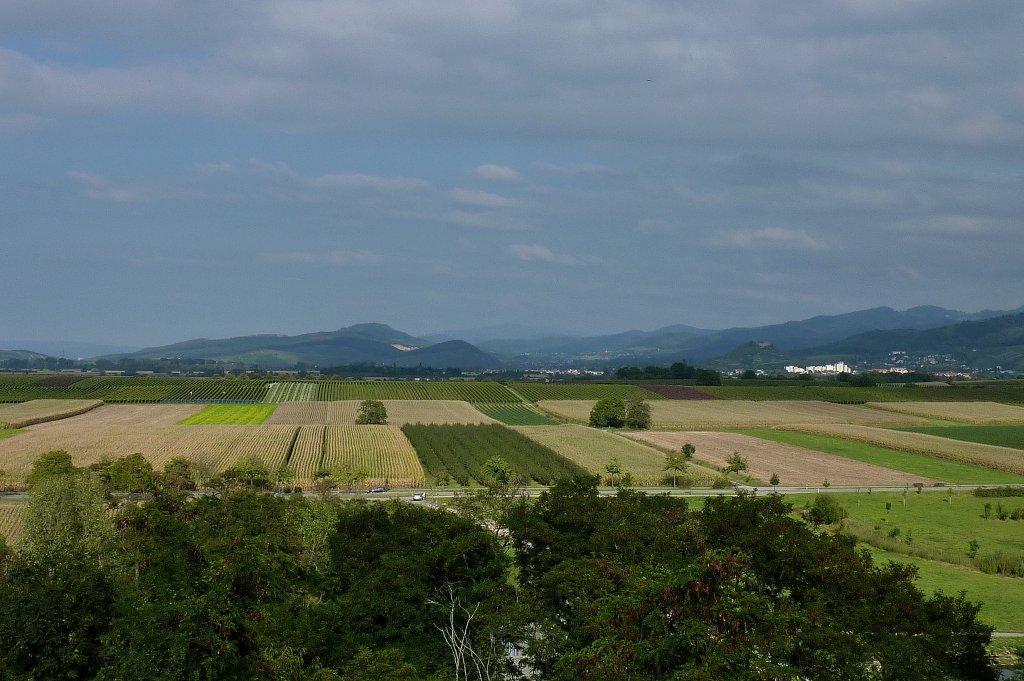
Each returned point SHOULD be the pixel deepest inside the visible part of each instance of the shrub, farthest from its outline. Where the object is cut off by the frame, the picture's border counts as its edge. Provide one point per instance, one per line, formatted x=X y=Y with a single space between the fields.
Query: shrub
x=825 y=510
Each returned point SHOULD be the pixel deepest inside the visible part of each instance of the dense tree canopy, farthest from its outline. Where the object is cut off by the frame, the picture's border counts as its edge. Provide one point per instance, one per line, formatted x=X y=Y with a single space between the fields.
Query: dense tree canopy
x=249 y=585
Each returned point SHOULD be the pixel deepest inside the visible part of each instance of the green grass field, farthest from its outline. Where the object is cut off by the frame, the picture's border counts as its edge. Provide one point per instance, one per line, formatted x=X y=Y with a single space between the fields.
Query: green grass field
x=515 y=414
x=918 y=464
x=1001 y=598
x=231 y=414
x=1001 y=436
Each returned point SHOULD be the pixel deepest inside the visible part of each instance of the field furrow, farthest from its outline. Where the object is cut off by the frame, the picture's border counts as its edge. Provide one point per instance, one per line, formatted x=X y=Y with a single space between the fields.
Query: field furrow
x=308 y=453
x=382 y=452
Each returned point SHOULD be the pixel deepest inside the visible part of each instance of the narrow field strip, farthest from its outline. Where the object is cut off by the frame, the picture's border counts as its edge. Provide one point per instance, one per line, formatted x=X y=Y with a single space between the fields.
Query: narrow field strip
x=998 y=435
x=965 y=412
x=12 y=520
x=117 y=415
x=292 y=391
x=41 y=411
x=593 y=449
x=231 y=414
x=536 y=392
x=794 y=465
x=733 y=414
x=382 y=452
x=951 y=472
x=997 y=458
x=308 y=453
x=513 y=414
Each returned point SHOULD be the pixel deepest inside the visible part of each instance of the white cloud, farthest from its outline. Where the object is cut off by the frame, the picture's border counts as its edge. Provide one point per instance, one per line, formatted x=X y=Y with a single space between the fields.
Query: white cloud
x=472 y=197
x=791 y=238
x=496 y=173
x=99 y=188
x=540 y=253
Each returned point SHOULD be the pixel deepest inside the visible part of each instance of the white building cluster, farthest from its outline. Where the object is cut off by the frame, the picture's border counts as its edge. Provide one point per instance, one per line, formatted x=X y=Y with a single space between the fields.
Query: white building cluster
x=837 y=368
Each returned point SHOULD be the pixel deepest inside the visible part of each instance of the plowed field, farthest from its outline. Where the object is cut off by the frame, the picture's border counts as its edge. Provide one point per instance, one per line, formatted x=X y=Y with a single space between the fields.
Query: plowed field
x=794 y=465
x=41 y=411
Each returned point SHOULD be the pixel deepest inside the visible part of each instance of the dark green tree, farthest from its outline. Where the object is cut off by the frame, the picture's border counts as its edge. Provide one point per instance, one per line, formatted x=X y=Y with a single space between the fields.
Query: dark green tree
x=372 y=412
x=638 y=414
x=609 y=412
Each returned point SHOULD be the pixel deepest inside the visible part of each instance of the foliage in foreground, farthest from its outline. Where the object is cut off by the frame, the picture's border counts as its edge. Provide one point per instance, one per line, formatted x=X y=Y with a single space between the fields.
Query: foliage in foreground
x=249 y=585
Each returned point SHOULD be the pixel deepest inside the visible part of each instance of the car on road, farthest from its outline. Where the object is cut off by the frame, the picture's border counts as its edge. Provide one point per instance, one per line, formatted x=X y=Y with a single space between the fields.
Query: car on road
x=377 y=490
x=419 y=496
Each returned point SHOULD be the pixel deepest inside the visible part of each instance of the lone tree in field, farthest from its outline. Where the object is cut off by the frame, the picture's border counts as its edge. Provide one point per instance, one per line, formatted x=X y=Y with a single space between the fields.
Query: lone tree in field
x=372 y=412
x=736 y=464
x=775 y=480
x=638 y=414
x=677 y=461
x=608 y=413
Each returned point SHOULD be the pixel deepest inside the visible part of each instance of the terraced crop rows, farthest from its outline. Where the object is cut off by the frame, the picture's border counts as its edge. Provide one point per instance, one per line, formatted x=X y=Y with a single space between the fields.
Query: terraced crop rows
x=734 y=414
x=989 y=456
x=293 y=391
x=40 y=411
x=468 y=391
x=382 y=451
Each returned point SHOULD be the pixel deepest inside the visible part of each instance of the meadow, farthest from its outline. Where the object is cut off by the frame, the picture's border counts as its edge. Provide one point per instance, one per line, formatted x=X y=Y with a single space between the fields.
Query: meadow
x=231 y=414
x=793 y=464
x=997 y=435
x=997 y=458
x=951 y=472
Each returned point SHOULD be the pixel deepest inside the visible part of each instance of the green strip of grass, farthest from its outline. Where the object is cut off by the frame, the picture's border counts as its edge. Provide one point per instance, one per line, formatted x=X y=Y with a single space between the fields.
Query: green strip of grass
x=1001 y=436
x=231 y=414
x=8 y=432
x=1002 y=598
x=918 y=464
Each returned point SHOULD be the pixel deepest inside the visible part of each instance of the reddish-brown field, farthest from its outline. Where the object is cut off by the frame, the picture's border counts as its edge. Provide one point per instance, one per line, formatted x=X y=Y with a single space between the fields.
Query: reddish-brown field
x=793 y=465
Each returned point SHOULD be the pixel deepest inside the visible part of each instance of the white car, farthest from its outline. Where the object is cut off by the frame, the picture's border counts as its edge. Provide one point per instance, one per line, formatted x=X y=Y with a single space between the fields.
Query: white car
x=419 y=496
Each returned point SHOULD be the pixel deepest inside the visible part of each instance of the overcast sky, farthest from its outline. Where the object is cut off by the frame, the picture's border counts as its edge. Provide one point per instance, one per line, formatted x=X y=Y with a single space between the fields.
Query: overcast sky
x=175 y=169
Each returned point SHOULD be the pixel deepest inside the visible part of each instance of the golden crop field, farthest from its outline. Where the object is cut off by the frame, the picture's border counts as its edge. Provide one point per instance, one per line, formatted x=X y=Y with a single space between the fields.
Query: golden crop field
x=87 y=442
x=965 y=412
x=383 y=451
x=593 y=449
x=127 y=415
x=400 y=412
x=12 y=520
x=989 y=456
x=41 y=411
x=794 y=465
x=725 y=414
x=308 y=452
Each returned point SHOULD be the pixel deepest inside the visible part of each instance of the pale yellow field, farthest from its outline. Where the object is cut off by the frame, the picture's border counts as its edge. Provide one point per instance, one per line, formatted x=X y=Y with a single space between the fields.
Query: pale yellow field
x=217 y=446
x=308 y=453
x=125 y=415
x=966 y=412
x=593 y=449
x=724 y=414
x=12 y=520
x=990 y=456
x=41 y=411
x=794 y=465
x=400 y=412
x=383 y=451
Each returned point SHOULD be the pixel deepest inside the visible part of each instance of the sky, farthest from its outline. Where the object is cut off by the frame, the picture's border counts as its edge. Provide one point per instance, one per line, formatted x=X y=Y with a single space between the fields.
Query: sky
x=172 y=169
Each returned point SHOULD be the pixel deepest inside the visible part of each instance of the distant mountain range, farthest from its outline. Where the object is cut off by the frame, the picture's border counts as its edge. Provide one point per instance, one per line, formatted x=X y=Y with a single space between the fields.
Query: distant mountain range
x=982 y=339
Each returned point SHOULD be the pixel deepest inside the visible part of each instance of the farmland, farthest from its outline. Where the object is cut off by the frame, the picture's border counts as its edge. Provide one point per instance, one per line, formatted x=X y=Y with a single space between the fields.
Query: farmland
x=1000 y=436
x=468 y=391
x=12 y=520
x=1008 y=392
x=293 y=391
x=948 y=471
x=307 y=455
x=231 y=414
x=794 y=465
x=593 y=449
x=974 y=412
x=515 y=414
x=383 y=452
x=726 y=414
x=40 y=411
x=399 y=412
x=997 y=458
x=460 y=451
x=536 y=392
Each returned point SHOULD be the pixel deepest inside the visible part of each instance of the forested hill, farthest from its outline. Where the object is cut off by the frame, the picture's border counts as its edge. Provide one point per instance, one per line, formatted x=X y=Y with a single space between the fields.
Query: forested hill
x=990 y=342
x=361 y=343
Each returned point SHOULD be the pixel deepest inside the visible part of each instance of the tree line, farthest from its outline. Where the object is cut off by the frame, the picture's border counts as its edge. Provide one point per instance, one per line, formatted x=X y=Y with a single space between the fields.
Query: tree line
x=243 y=585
